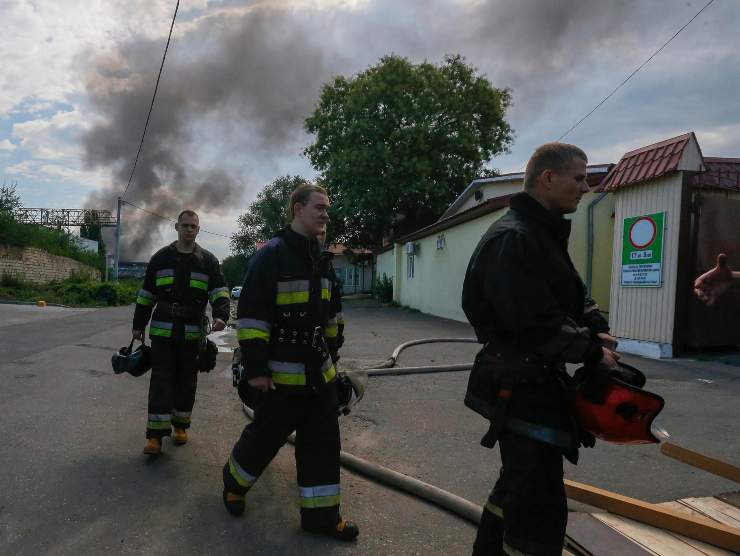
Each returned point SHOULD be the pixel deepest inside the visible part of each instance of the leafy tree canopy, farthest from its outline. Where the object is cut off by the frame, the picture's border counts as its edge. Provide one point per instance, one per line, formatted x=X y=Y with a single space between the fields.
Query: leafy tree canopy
x=265 y=216
x=397 y=143
x=10 y=201
x=234 y=267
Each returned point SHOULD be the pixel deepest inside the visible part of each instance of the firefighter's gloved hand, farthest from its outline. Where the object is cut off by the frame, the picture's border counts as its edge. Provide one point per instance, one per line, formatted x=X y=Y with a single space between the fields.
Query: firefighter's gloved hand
x=585 y=438
x=594 y=382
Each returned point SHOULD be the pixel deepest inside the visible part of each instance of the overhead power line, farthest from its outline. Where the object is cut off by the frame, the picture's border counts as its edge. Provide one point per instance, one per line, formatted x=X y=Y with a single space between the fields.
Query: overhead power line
x=163 y=217
x=151 y=106
x=631 y=75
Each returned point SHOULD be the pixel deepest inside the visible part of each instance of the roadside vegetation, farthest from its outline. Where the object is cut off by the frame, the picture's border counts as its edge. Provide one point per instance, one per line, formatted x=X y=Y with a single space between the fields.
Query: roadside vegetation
x=75 y=291
x=55 y=242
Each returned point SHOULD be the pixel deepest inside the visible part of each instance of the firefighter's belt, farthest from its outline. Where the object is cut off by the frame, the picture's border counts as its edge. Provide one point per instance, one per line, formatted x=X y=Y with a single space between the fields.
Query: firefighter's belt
x=496 y=374
x=176 y=310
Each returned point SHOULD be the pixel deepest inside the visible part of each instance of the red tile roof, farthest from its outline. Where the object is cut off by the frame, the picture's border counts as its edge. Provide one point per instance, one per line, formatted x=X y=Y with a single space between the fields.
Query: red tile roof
x=722 y=173
x=647 y=163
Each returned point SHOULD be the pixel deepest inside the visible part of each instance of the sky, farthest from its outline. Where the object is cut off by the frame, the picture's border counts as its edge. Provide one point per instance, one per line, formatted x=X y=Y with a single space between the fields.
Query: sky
x=241 y=77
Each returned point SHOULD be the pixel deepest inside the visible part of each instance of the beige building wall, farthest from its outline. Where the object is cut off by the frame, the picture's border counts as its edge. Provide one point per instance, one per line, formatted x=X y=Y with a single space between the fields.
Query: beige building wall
x=385 y=263
x=646 y=314
x=603 y=229
x=436 y=287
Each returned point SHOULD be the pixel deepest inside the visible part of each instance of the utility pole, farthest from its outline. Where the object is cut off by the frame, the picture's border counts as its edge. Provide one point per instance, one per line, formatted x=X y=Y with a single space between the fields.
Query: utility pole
x=118 y=239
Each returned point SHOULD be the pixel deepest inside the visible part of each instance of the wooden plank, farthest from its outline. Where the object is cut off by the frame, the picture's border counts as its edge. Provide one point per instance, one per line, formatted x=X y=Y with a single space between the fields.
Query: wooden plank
x=715 y=509
x=700 y=461
x=653 y=539
x=702 y=546
x=704 y=530
x=595 y=537
x=732 y=498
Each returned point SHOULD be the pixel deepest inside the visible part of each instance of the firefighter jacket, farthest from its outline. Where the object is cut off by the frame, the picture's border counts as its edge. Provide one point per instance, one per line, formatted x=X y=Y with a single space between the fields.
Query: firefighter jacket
x=177 y=287
x=522 y=289
x=289 y=314
x=528 y=305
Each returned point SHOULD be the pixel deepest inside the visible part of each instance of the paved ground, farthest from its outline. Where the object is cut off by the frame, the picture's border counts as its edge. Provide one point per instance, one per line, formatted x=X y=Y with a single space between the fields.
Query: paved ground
x=74 y=481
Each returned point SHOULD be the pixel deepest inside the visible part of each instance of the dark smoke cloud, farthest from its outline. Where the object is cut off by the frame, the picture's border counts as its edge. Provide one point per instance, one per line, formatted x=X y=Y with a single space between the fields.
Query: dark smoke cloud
x=237 y=87
x=230 y=84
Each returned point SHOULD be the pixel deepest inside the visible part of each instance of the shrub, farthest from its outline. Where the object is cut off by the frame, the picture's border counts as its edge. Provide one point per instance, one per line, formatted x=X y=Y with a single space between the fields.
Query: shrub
x=382 y=288
x=55 y=242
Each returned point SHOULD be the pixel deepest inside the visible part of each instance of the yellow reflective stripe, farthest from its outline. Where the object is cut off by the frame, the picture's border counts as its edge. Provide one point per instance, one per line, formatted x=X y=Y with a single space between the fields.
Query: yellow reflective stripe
x=290 y=379
x=495 y=510
x=192 y=335
x=239 y=474
x=199 y=284
x=331 y=331
x=220 y=294
x=329 y=374
x=290 y=298
x=144 y=301
x=158 y=425
x=252 y=334
x=325 y=294
x=320 y=502
x=165 y=280
x=160 y=332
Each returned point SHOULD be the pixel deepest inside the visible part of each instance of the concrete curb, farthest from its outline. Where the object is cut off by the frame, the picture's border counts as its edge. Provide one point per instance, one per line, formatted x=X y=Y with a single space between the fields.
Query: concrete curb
x=14 y=302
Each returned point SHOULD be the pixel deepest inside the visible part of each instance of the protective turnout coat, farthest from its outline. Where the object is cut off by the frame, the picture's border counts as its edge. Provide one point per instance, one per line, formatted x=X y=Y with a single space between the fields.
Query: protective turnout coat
x=177 y=287
x=289 y=315
x=529 y=308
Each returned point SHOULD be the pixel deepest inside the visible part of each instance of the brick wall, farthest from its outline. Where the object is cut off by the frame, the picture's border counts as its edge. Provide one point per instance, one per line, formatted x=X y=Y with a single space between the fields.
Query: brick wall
x=35 y=265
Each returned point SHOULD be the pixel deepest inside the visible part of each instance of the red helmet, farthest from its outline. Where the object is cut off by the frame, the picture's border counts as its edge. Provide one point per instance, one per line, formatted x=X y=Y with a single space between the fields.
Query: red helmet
x=626 y=415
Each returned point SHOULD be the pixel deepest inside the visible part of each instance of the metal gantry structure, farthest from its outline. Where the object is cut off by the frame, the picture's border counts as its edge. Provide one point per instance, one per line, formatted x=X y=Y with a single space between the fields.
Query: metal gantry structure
x=66 y=218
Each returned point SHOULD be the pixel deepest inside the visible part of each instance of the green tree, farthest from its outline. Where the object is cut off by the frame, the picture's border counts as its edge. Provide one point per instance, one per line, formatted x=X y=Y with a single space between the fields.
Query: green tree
x=233 y=268
x=265 y=216
x=10 y=201
x=397 y=143
x=92 y=229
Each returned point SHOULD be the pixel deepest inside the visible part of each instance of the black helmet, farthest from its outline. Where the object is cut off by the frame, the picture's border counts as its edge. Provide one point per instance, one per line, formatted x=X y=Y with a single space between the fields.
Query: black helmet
x=350 y=389
x=207 y=356
x=135 y=363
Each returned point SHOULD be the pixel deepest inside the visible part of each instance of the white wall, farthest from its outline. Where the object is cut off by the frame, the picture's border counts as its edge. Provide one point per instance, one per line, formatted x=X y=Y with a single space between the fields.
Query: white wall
x=647 y=314
x=436 y=287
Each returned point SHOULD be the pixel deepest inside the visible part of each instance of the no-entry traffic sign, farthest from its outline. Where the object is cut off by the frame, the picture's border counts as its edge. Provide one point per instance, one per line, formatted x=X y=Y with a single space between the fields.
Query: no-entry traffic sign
x=642 y=250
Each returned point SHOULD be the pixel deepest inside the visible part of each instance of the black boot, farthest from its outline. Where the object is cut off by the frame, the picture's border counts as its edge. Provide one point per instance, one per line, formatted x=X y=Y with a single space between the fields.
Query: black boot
x=344 y=530
x=234 y=502
x=490 y=538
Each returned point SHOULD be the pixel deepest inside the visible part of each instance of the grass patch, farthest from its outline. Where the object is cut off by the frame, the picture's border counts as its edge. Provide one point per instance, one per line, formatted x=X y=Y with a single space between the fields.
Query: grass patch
x=55 y=242
x=75 y=291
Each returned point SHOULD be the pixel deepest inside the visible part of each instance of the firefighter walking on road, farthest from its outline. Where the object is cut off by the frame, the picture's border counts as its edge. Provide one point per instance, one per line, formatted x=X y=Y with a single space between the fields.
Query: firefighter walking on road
x=181 y=279
x=528 y=306
x=287 y=328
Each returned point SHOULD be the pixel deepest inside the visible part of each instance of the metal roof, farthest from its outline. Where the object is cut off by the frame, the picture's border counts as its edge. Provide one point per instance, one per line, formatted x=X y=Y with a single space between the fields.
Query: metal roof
x=648 y=163
x=722 y=173
x=594 y=171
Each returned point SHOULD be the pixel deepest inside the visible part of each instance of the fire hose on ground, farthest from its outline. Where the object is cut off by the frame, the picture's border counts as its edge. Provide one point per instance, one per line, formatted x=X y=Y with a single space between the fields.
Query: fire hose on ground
x=446 y=500
x=636 y=509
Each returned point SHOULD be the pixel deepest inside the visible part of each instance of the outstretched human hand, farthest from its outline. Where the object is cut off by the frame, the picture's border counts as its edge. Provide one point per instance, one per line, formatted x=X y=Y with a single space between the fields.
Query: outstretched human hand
x=711 y=285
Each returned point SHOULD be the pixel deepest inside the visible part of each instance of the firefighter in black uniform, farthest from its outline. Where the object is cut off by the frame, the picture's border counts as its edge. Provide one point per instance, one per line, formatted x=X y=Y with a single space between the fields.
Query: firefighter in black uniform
x=528 y=306
x=287 y=328
x=181 y=279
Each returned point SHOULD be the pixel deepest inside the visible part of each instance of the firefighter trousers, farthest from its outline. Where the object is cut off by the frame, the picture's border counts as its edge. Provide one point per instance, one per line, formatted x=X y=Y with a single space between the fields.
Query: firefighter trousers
x=526 y=512
x=313 y=417
x=174 y=379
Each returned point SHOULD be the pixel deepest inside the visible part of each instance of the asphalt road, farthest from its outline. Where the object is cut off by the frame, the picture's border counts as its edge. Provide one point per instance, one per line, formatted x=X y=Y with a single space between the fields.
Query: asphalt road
x=74 y=480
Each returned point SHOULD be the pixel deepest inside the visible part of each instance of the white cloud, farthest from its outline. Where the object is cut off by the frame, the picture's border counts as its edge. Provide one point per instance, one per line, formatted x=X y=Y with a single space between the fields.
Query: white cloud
x=6 y=146
x=54 y=137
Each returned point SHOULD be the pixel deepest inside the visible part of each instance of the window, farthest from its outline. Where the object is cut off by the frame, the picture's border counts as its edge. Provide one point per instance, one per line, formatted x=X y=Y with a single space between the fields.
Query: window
x=410 y=265
x=351 y=275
